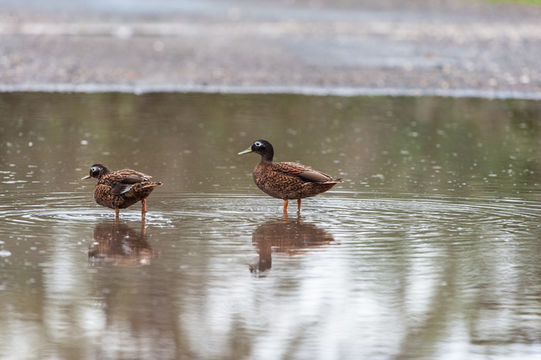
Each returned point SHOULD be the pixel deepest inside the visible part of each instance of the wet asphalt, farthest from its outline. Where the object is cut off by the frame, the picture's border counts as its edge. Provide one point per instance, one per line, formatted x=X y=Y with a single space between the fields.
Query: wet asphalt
x=456 y=48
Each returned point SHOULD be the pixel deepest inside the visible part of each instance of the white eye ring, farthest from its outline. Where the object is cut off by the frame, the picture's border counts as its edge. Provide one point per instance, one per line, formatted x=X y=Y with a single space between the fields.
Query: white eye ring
x=258 y=144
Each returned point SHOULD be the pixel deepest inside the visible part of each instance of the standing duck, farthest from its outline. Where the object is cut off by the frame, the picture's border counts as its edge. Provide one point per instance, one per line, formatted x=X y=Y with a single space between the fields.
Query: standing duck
x=287 y=180
x=121 y=188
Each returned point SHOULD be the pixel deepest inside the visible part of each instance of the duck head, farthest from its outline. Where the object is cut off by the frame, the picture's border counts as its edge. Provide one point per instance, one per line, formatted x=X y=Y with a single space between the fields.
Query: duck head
x=261 y=147
x=96 y=171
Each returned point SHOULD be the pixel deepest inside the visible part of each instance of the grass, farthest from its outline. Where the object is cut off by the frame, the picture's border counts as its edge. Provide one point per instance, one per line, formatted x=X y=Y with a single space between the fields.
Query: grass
x=518 y=1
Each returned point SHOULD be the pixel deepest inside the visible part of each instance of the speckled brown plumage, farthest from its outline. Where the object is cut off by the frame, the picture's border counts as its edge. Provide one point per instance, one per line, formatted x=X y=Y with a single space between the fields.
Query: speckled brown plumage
x=287 y=180
x=121 y=188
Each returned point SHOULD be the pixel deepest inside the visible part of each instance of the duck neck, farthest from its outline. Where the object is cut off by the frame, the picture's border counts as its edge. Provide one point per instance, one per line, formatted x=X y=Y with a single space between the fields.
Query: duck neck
x=104 y=172
x=267 y=157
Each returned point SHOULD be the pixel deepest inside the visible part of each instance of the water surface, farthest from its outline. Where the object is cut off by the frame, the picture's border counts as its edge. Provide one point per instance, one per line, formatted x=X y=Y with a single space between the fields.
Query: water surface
x=429 y=249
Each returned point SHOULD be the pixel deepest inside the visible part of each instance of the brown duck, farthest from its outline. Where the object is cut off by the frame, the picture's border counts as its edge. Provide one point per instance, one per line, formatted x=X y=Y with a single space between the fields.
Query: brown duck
x=287 y=180
x=121 y=188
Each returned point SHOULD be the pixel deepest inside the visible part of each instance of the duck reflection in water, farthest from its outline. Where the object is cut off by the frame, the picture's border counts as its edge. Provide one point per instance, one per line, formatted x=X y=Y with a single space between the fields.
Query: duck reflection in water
x=281 y=235
x=119 y=244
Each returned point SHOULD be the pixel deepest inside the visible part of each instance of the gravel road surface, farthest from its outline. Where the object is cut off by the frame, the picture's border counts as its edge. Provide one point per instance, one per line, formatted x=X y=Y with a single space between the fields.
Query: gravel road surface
x=452 y=48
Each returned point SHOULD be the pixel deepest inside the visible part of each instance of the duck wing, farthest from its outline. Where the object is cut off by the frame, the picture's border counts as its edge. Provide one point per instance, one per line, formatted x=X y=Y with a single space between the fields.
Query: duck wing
x=123 y=180
x=129 y=173
x=302 y=172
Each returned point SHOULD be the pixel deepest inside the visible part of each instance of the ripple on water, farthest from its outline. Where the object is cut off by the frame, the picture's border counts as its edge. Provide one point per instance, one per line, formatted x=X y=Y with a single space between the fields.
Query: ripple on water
x=345 y=213
x=65 y=209
x=428 y=216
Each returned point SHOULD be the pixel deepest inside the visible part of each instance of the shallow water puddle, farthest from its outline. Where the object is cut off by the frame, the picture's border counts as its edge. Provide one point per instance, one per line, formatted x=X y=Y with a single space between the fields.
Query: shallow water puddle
x=429 y=249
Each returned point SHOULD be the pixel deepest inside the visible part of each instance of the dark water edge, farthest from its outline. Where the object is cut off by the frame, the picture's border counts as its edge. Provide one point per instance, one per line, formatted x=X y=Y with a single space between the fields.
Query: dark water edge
x=345 y=91
x=429 y=249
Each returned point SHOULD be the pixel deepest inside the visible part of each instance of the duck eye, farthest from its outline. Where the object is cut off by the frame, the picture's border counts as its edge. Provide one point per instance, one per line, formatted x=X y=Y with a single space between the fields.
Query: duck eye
x=258 y=144
x=94 y=170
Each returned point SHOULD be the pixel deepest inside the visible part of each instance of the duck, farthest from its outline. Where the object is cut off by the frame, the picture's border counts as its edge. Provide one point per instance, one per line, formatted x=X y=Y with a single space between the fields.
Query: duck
x=287 y=180
x=120 y=189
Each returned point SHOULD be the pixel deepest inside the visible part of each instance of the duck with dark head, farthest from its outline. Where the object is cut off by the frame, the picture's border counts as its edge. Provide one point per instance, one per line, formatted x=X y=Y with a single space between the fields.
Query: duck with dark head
x=287 y=180
x=121 y=188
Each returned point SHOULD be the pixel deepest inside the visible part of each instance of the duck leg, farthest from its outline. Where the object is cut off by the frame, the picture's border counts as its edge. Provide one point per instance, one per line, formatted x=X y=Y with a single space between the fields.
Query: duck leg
x=299 y=206
x=117 y=212
x=285 y=206
x=144 y=208
x=143 y=227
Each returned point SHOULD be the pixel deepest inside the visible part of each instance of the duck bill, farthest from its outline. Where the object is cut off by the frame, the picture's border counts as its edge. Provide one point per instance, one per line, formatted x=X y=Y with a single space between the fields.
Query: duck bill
x=249 y=150
x=86 y=177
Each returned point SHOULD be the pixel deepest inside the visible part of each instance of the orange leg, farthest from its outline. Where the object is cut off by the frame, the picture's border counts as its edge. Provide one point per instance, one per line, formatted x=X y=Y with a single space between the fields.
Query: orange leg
x=117 y=212
x=143 y=227
x=285 y=206
x=144 y=209
x=299 y=206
